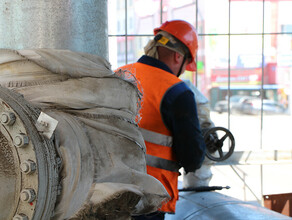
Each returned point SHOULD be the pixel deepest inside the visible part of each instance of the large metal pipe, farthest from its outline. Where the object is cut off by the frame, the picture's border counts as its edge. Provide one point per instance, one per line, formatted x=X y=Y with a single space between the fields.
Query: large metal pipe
x=213 y=205
x=75 y=25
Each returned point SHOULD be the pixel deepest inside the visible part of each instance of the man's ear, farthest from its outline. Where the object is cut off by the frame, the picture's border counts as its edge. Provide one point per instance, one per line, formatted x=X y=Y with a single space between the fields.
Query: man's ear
x=177 y=57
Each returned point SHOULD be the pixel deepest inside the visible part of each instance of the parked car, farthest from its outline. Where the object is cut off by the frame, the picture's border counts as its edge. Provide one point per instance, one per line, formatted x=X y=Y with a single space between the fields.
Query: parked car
x=236 y=100
x=254 y=106
x=241 y=106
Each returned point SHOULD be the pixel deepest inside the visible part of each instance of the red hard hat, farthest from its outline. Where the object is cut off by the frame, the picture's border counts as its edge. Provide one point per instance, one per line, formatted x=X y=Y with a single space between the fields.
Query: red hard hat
x=186 y=33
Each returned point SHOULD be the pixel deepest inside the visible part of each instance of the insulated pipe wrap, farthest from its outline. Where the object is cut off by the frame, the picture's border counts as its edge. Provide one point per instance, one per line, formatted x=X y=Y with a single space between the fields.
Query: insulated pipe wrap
x=94 y=162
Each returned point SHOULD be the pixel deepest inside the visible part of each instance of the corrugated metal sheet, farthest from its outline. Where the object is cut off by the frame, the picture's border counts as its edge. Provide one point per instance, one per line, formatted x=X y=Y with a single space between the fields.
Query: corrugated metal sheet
x=281 y=203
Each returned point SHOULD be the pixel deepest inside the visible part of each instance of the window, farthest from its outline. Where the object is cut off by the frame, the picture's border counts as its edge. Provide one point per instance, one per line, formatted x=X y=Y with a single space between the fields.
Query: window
x=245 y=49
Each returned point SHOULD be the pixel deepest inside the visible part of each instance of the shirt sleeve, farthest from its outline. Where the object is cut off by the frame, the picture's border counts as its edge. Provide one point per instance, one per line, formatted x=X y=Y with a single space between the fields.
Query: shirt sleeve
x=179 y=113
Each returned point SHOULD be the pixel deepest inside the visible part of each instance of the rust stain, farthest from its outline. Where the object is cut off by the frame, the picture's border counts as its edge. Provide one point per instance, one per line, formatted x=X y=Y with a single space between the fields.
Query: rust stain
x=7 y=166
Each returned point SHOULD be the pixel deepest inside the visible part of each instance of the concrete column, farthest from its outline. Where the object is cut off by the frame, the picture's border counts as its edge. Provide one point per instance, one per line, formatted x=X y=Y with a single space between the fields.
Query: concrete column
x=75 y=25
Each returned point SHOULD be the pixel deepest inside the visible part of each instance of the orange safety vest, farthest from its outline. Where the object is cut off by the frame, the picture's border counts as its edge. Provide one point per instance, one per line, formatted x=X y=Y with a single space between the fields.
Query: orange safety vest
x=160 y=159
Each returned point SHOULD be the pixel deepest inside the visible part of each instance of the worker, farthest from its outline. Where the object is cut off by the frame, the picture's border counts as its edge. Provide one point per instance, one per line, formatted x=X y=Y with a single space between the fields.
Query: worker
x=169 y=121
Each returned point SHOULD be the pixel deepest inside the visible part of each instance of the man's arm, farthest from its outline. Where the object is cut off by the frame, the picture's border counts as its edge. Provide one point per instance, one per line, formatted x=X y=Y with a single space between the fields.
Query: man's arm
x=179 y=113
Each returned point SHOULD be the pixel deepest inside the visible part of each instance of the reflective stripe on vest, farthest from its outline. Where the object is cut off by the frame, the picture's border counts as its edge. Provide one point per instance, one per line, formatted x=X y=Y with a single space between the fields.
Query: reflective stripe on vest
x=156 y=138
x=159 y=139
x=162 y=163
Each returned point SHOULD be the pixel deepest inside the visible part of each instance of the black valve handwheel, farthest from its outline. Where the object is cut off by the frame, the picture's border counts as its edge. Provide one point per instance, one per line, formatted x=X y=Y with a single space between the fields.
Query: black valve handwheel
x=215 y=141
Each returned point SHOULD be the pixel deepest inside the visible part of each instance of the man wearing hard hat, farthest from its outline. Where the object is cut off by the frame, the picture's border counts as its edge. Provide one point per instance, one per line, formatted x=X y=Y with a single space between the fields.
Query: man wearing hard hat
x=169 y=121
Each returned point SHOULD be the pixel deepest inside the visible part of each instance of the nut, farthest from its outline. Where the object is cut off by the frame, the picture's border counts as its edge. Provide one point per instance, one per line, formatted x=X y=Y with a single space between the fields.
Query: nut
x=27 y=195
x=20 y=217
x=21 y=140
x=8 y=118
x=28 y=166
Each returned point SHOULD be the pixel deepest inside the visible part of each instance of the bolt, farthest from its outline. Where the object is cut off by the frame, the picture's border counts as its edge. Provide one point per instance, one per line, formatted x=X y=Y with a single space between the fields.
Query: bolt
x=8 y=118
x=28 y=166
x=20 y=217
x=27 y=195
x=45 y=124
x=21 y=140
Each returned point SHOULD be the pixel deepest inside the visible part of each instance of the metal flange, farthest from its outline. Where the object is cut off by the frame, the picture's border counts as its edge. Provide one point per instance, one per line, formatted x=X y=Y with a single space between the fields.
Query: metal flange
x=28 y=163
